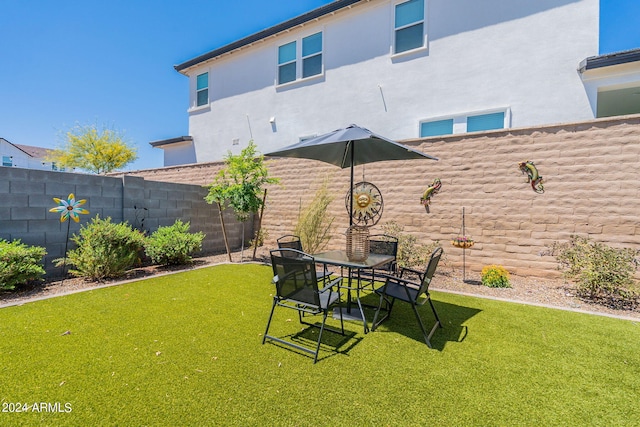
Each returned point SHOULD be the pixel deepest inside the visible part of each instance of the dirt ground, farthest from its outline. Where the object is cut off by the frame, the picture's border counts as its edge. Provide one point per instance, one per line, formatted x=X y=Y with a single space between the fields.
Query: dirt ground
x=553 y=292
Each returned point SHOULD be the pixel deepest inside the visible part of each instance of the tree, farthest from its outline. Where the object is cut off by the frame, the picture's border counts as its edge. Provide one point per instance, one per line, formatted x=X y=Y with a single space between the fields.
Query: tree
x=239 y=185
x=96 y=150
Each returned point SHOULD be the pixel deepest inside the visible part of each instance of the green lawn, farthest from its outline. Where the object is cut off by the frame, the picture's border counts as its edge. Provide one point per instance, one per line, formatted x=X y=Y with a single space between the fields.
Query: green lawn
x=186 y=349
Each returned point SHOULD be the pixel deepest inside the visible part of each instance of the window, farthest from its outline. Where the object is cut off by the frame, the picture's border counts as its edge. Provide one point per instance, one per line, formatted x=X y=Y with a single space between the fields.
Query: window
x=202 y=89
x=465 y=123
x=435 y=128
x=300 y=59
x=287 y=63
x=409 y=25
x=485 y=122
x=312 y=55
x=7 y=161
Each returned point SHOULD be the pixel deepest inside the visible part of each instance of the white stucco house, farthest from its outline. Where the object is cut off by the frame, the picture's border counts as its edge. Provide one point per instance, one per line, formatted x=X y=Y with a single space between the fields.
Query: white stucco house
x=402 y=68
x=24 y=156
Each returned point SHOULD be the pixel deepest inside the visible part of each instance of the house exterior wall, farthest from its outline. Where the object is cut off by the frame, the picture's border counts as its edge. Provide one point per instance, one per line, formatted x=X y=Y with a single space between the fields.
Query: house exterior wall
x=591 y=189
x=20 y=158
x=179 y=154
x=519 y=57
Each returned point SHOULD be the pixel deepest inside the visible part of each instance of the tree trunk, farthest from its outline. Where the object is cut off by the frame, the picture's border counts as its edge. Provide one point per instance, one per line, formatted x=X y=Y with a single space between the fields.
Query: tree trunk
x=224 y=232
x=259 y=227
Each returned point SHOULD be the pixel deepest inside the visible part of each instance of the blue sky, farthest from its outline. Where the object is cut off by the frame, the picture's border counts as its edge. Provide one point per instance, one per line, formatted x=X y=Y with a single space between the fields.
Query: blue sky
x=110 y=63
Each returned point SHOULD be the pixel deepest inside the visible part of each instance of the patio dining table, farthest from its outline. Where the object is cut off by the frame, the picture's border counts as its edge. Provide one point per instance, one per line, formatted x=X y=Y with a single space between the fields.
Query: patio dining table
x=340 y=259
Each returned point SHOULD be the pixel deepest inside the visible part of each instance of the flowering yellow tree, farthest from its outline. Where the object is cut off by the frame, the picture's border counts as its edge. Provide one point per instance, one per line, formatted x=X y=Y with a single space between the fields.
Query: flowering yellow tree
x=92 y=149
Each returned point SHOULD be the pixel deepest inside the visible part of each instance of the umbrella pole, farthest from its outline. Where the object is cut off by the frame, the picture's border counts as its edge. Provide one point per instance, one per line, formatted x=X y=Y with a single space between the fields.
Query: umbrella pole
x=352 y=148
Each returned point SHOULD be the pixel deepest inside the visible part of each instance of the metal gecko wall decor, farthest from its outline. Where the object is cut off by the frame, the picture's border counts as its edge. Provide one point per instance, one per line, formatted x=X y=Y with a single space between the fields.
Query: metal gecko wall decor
x=533 y=176
x=431 y=191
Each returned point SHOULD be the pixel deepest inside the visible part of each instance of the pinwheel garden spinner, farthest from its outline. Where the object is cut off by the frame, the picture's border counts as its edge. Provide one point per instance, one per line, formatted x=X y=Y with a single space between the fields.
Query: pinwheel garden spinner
x=69 y=208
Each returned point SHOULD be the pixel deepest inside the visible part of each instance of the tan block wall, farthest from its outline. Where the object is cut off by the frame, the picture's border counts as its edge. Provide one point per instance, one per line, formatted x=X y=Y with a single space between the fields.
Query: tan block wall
x=590 y=171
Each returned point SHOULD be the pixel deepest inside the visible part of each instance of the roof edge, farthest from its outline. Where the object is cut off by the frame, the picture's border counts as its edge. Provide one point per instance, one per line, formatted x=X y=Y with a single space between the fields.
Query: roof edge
x=609 y=59
x=170 y=141
x=286 y=25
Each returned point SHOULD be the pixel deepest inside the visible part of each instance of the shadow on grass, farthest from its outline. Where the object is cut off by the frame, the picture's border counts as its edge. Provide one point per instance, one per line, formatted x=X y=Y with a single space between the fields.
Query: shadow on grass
x=403 y=321
x=332 y=342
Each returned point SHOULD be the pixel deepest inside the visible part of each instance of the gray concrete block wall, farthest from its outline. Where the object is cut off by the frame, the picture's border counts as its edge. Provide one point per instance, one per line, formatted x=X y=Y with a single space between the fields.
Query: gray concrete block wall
x=27 y=195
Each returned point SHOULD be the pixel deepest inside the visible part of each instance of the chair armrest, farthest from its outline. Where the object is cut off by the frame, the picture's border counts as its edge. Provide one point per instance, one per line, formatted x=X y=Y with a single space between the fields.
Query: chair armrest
x=404 y=282
x=331 y=284
x=412 y=270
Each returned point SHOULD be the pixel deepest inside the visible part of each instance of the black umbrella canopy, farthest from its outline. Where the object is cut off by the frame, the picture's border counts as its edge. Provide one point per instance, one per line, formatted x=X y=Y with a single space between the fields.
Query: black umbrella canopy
x=348 y=147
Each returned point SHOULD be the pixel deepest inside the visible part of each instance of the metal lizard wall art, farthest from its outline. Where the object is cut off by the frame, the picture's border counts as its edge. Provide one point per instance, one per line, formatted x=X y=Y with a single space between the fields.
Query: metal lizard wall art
x=430 y=192
x=533 y=176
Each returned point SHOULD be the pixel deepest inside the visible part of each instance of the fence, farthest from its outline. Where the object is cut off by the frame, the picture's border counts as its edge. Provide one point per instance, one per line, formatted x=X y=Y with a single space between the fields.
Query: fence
x=27 y=195
x=590 y=171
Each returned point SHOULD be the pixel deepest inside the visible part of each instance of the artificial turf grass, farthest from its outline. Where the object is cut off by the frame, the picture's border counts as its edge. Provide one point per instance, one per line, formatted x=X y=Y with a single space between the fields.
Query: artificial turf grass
x=186 y=349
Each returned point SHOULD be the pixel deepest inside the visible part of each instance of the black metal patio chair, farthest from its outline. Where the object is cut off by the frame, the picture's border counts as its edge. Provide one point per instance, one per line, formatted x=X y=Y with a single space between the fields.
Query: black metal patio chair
x=297 y=289
x=291 y=241
x=416 y=293
x=381 y=244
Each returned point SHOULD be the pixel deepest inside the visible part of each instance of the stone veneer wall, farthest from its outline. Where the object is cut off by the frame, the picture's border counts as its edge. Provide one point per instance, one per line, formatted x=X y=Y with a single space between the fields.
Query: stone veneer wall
x=26 y=197
x=590 y=171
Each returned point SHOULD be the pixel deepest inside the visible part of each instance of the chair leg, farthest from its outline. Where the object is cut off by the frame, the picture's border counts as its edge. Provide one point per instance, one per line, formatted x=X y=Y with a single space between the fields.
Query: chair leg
x=264 y=337
x=427 y=337
x=434 y=312
x=377 y=322
x=324 y=319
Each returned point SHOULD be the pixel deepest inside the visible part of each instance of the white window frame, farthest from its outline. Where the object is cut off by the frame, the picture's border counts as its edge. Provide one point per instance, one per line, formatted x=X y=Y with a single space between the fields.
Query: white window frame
x=197 y=91
x=394 y=30
x=299 y=59
x=460 y=121
x=7 y=161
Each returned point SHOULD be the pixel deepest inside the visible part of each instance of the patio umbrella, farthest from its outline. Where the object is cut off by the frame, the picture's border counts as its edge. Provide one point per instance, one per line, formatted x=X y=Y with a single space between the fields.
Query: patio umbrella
x=349 y=147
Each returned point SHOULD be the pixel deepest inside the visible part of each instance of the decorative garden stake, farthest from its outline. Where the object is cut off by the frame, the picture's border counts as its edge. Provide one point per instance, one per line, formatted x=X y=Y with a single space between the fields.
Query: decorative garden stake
x=463 y=241
x=527 y=167
x=431 y=191
x=69 y=208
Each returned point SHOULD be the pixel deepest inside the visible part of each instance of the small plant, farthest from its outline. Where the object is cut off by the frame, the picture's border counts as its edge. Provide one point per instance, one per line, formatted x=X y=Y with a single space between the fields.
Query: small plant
x=603 y=274
x=495 y=276
x=410 y=253
x=173 y=245
x=314 y=223
x=19 y=264
x=104 y=249
x=261 y=236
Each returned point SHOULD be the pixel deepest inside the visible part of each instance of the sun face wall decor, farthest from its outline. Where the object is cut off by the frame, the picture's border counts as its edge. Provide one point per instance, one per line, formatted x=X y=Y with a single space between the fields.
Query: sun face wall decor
x=367 y=206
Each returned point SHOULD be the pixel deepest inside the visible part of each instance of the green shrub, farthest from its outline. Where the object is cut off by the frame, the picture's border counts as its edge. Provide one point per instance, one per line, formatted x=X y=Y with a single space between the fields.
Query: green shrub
x=602 y=273
x=173 y=245
x=495 y=276
x=104 y=249
x=314 y=223
x=19 y=264
x=410 y=252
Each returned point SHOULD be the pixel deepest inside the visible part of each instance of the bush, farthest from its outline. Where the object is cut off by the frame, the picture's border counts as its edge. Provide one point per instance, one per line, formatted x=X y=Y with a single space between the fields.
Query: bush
x=173 y=245
x=603 y=274
x=410 y=253
x=314 y=223
x=19 y=264
x=104 y=249
x=495 y=276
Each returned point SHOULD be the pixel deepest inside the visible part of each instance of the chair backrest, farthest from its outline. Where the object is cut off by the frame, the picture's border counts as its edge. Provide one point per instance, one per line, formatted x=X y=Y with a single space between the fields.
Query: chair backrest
x=383 y=244
x=295 y=276
x=431 y=269
x=290 y=241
